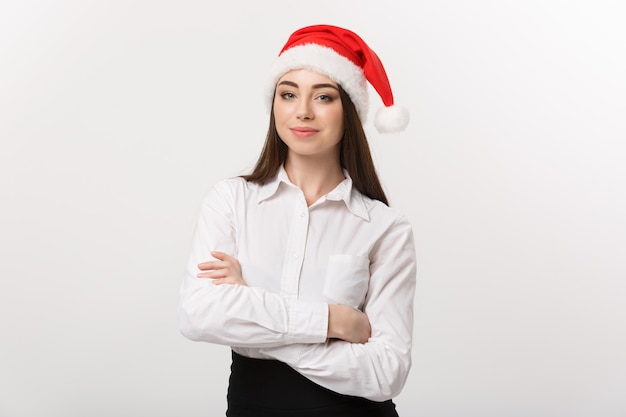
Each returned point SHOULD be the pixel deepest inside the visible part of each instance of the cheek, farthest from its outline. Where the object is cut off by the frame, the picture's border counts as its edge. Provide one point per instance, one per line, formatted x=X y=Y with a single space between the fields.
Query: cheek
x=338 y=116
x=339 y=122
x=281 y=112
x=280 y=120
x=338 y=130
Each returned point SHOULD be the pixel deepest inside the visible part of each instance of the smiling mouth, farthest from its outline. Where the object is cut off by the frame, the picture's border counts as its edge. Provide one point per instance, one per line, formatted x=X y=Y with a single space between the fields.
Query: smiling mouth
x=303 y=132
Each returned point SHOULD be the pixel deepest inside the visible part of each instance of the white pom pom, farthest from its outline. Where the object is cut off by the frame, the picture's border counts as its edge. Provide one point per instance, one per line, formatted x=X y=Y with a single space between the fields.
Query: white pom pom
x=391 y=119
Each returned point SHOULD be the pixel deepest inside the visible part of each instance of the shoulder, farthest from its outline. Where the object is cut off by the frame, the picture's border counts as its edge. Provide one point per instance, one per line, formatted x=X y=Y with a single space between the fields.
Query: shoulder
x=231 y=185
x=380 y=212
x=228 y=190
x=391 y=225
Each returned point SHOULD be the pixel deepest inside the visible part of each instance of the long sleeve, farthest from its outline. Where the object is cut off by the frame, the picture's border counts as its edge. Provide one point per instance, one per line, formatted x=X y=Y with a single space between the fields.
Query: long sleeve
x=378 y=369
x=237 y=315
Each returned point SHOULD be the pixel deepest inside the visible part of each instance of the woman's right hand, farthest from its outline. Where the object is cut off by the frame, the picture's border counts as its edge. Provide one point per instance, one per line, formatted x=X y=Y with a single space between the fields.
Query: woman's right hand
x=347 y=323
x=226 y=270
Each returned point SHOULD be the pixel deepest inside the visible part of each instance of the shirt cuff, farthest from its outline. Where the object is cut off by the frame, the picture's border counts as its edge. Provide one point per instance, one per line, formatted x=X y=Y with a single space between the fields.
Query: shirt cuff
x=308 y=322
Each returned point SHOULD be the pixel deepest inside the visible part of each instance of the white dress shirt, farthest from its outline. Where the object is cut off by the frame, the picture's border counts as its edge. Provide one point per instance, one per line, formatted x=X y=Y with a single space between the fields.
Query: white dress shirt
x=343 y=249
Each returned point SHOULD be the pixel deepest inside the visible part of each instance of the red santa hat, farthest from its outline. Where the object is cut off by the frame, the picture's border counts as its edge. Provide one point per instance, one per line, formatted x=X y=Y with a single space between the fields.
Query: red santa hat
x=345 y=58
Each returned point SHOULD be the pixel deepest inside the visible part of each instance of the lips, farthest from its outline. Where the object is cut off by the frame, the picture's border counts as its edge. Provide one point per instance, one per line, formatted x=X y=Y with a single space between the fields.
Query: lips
x=303 y=131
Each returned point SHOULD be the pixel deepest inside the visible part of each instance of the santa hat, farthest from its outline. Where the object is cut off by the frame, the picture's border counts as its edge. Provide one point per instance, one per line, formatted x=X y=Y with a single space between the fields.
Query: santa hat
x=345 y=58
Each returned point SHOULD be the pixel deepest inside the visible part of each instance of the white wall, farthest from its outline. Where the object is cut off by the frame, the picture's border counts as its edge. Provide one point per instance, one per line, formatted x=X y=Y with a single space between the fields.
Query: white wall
x=116 y=116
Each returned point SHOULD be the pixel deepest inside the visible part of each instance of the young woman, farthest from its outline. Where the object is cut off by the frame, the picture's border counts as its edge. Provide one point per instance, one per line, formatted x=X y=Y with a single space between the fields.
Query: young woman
x=301 y=267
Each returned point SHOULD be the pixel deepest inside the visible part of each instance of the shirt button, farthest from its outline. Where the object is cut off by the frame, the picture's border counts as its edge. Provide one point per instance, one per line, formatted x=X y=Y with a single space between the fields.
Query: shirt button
x=302 y=214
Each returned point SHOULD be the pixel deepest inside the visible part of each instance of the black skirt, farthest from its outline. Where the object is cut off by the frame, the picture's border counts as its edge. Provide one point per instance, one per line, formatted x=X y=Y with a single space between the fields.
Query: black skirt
x=269 y=388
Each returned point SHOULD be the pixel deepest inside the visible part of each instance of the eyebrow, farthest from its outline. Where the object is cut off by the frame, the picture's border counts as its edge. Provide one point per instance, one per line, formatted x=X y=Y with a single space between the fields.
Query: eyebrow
x=315 y=86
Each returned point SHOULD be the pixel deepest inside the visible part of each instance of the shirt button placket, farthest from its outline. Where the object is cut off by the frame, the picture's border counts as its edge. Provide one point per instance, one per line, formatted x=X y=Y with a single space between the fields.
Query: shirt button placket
x=296 y=245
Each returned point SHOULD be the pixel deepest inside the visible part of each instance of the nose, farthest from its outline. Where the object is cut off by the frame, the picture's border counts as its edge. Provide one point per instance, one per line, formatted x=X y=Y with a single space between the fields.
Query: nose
x=304 y=111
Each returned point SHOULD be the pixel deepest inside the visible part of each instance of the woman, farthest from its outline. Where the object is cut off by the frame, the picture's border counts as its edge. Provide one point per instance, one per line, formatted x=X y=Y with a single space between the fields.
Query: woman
x=301 y=267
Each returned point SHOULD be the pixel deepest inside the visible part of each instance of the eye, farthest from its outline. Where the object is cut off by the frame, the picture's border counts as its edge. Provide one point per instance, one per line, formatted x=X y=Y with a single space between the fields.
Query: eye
x=324 y=97
x=287 y=95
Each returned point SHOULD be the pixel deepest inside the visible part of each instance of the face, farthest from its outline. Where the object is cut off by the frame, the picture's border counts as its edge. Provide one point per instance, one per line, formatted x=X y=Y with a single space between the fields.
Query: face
x=309 y=114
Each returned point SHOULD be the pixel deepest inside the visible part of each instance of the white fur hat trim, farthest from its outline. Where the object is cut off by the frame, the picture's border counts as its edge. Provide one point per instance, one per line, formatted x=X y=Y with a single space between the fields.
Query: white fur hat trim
x=325 y=61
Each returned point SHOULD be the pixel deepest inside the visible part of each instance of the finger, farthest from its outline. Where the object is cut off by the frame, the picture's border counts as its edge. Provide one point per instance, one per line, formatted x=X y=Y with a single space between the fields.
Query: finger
x=217 y=273
x=219 y=255
x=228 y=261
x=224 y=257
x=205 y=266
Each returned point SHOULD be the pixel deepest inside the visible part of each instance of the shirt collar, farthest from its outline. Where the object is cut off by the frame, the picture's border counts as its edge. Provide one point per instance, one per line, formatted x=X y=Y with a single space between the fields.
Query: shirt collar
x=351 y=196
x=353 y=199
x=269 y=188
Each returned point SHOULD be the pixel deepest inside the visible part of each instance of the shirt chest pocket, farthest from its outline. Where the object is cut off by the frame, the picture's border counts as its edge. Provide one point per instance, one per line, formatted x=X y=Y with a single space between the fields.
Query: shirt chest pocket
x=347 y=280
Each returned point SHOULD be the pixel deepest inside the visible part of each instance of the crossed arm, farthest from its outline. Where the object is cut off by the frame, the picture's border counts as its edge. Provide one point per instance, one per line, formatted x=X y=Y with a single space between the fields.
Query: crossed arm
x=344 y=322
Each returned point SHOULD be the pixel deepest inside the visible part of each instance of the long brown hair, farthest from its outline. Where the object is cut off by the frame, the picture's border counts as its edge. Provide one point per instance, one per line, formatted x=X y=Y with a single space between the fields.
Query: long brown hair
x=354 y=155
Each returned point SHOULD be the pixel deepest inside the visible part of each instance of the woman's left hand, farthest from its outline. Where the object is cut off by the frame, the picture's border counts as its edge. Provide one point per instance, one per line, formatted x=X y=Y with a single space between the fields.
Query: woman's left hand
x=226 y=270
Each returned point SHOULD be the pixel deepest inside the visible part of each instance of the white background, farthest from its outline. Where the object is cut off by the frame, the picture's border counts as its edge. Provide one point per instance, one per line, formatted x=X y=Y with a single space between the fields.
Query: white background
x=116 y=116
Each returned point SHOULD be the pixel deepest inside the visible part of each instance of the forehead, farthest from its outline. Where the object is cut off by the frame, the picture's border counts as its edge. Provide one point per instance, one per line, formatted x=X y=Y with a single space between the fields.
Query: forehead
x=304 y=77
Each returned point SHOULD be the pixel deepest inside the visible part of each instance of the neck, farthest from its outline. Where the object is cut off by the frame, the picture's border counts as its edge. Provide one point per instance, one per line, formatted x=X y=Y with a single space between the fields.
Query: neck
x=315 y=177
